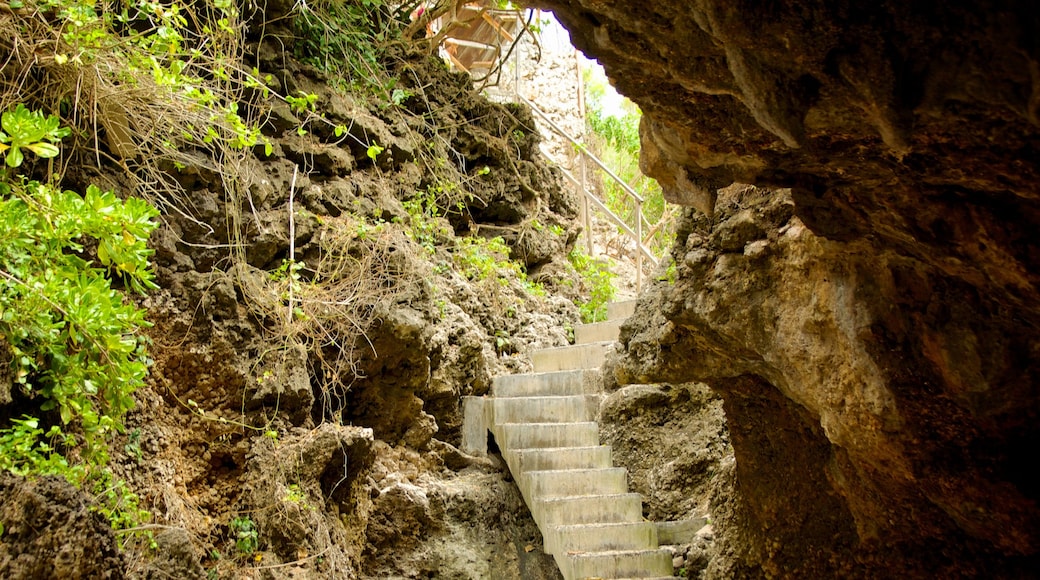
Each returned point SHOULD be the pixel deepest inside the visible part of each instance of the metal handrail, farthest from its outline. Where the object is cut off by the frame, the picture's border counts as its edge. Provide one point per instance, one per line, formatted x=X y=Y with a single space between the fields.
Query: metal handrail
x=649 y=255
x=636 y=235
x=583 y=150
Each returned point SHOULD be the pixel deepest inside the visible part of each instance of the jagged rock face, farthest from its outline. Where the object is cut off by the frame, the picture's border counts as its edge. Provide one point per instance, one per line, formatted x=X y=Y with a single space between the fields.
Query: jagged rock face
x=873 y=329
x=50 y=531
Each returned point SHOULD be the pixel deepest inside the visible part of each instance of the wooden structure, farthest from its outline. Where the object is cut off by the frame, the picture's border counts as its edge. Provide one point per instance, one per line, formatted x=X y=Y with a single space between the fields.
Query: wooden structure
x=478 y=35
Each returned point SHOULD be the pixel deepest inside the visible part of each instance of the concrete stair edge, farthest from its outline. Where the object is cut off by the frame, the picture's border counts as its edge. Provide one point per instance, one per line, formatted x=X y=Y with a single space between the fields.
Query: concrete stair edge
x=572 y=357
x=600 y=537
x=622 y=563
x=621 y=310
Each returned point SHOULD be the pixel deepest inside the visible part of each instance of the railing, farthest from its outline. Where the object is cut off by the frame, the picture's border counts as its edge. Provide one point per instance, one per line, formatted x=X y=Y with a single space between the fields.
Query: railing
x=472 y=36
x=636 y=234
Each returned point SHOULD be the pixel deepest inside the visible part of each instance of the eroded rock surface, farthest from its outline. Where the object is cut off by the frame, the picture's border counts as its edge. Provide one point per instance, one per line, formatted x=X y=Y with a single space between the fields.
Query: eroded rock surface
x=671 y=438
x=846 y=439
x=873 y=328
x=308 y=429
x=50 y=532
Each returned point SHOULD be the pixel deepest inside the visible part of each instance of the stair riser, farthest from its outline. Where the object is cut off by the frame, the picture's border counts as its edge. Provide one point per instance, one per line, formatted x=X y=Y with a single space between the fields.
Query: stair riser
x=537 y=435
x=524 y=460
x=572 y=409
x=596 y=538
x=621 y=310
x=574 y=382
x=599 y=332
x=545 y=484
x=588 y=510
x=607 y=565
x=585 y=356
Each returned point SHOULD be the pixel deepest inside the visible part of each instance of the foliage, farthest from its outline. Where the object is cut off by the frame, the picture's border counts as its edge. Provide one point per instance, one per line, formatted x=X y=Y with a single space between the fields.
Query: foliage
x=163 y=80
x=247 y=539
x=426 y=225
x=480 y=259
x=73 y=335
x=23 y=128
x=598 y=279
x=347 y=39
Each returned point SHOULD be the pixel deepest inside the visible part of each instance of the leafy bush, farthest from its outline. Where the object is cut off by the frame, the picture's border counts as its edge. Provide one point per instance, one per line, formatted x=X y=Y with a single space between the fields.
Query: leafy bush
x=163 y=79
x=343 y=37
x=74 y=338
x=480 y=259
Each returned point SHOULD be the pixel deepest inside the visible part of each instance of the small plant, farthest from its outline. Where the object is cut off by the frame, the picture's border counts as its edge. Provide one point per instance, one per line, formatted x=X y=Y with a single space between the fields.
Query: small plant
x=598 y=280
x=424 y=226
x=297 y=496
x=671 y=274
x=399 y=96
x=303 y=103
x=289 y=273
x=247 y=539
x=25 y=129
x=502 y=342
x=133 y=445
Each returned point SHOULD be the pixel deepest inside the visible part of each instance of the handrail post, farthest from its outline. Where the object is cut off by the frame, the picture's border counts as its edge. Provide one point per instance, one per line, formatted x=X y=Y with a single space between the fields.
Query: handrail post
x=639 y=246
x=580 y=157
x=588 y=221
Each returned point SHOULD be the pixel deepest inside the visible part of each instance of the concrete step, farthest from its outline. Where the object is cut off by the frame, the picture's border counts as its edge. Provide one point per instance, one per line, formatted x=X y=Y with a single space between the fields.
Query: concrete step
x=573 y=382
x=570 y=482
x=615 y=564
x=588 y=509
x=556 y=409
x=556 y=458
x=597 y=332
x=679 y=532
x=601 y=537
x=621 y=310
x=529 y=435
x=565 y=358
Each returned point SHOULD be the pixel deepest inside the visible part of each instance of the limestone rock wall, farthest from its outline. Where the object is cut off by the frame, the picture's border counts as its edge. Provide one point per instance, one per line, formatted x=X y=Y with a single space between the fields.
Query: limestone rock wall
x=871 y=326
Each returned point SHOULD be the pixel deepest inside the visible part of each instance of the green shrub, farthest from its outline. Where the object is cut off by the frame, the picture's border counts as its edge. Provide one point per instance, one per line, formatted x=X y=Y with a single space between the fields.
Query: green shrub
x=247 y=539
x=74 y=337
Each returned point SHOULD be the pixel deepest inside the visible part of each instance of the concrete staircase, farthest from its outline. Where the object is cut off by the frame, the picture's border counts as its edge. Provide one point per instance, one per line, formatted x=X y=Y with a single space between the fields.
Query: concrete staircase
x=545 y=426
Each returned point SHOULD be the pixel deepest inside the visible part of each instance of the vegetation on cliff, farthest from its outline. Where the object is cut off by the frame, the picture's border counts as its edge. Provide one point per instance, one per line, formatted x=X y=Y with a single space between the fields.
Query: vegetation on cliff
x=347 y=240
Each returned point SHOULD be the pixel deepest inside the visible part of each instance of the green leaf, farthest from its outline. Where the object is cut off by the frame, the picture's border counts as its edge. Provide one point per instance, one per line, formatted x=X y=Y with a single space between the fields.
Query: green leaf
x=374 y=151
x=44 y=150
x=15 y=156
